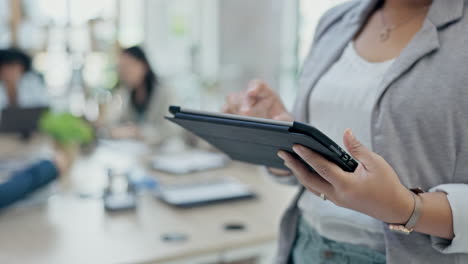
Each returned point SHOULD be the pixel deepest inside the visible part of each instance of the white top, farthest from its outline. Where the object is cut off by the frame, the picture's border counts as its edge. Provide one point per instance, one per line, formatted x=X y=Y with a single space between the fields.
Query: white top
x=343 y=98
x=31 y=92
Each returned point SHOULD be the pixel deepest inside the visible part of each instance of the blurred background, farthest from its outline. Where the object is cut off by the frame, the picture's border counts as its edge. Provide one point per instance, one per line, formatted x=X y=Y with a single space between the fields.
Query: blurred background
x=132 y=188
x=202 y=48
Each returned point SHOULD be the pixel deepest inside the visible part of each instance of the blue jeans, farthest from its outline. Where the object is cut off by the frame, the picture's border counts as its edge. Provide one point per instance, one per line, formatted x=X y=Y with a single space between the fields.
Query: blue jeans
x=311 y=248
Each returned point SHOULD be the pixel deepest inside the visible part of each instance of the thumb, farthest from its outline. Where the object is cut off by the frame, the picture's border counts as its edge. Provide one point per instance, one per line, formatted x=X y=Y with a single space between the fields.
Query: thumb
x=357 y=149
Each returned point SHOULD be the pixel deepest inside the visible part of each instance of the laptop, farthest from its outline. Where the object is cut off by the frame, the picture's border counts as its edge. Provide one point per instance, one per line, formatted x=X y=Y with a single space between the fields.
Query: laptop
x=21 y=120
x=207 y=192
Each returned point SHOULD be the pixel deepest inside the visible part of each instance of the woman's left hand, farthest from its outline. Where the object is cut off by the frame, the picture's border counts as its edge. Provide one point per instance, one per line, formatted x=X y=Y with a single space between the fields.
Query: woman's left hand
x=373 y=189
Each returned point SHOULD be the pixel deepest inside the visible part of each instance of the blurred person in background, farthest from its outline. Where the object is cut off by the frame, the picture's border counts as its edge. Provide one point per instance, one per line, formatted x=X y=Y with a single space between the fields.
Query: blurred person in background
x=38 y=175
x=142 y=99
x=20 y=86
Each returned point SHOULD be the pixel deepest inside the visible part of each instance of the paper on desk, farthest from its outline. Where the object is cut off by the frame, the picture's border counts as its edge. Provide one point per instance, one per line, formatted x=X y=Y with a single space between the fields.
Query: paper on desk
x=127 y=146
x=189 y=161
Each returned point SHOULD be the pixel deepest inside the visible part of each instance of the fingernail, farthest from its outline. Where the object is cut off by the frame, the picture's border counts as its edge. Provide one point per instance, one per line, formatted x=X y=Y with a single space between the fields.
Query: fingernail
x=350 y=132
x=297 y=148
x=281 y=154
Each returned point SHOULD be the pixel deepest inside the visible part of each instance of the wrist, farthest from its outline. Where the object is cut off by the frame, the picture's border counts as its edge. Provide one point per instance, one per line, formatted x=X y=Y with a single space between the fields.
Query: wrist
x=408 y=226
x=436 y=215
x=404 y=208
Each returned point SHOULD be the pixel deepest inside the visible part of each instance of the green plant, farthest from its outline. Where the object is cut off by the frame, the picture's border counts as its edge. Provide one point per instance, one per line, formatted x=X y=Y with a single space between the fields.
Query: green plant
x=66 y=129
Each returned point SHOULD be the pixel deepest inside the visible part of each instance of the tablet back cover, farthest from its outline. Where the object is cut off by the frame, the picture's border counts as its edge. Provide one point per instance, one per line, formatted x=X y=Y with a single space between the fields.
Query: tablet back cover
x=242 y=141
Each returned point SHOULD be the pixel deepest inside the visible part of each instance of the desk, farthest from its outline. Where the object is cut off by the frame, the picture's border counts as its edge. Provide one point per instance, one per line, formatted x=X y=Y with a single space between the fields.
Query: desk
x=72 y=230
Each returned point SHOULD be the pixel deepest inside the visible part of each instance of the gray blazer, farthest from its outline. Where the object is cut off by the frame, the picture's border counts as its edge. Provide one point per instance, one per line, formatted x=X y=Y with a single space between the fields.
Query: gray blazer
x=419 y=122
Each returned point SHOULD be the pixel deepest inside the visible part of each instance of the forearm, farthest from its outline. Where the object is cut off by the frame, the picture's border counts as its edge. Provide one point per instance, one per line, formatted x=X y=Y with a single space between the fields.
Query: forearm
x=436 y=216
x=26 y=181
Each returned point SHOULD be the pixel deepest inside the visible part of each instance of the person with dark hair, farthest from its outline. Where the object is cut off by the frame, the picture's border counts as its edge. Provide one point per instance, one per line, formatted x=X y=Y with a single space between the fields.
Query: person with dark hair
x=137 y=74
x=144 y=101
x=20 y=86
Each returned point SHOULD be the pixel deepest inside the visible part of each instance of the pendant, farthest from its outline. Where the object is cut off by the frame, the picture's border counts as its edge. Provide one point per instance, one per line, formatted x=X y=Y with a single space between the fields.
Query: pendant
x=385 y=34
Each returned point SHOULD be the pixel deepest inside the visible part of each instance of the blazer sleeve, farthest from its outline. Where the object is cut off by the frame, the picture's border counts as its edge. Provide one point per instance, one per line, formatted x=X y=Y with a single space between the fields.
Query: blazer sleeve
x=26 y=181
x=457 y=195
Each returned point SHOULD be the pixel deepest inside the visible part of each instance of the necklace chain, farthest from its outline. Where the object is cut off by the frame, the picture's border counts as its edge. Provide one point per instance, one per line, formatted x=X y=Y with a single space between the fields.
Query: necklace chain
x=389 y=28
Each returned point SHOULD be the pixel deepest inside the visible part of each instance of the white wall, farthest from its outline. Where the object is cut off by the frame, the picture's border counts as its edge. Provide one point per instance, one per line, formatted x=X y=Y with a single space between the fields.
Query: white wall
x=250 y=42
x=238 y=40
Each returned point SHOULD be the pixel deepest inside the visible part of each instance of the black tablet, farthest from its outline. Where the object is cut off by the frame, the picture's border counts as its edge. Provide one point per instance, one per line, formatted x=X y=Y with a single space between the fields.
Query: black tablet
x=257 y=140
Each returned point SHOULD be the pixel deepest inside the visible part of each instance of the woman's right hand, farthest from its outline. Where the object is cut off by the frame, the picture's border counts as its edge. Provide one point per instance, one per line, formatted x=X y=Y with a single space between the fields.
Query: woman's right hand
x=259 y=100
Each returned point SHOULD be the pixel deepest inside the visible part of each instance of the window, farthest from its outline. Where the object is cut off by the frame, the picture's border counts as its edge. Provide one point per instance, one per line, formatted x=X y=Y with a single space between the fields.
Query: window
x=299 y=22
x=310 y=13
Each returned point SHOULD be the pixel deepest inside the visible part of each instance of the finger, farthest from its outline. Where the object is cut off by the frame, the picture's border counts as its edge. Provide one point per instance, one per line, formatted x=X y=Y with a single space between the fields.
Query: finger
x=310 y=180
x=232 y=103
x=328 y=170
x=285 y=116
x=226 y=109
x=364 y=155
x=260 y=109
x=317 y=193
x=279 y=172
x=257 y=89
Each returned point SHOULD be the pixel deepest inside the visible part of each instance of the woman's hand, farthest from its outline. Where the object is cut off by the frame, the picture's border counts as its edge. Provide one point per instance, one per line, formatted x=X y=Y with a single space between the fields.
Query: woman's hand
x=373 y=189
x=259 y=100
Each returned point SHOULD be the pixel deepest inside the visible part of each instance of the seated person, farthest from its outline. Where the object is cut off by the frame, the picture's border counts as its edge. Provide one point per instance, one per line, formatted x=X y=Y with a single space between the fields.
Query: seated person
x=26 y=181
x=143 y=100
x=20 y=86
